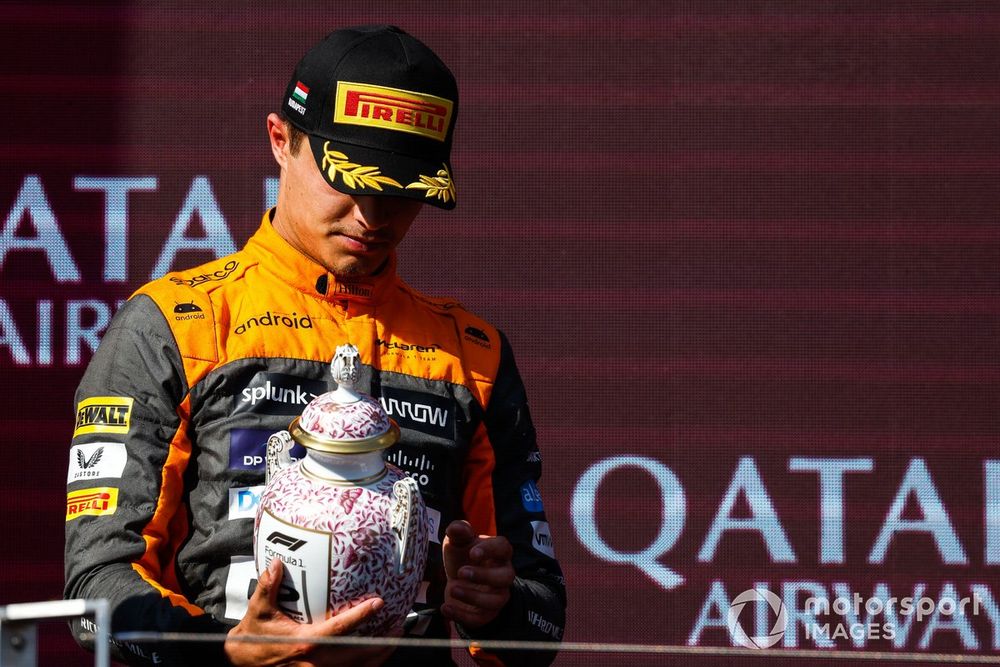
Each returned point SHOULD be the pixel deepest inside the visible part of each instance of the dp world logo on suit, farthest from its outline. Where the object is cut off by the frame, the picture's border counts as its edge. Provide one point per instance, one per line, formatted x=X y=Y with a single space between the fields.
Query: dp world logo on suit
x=756 y=596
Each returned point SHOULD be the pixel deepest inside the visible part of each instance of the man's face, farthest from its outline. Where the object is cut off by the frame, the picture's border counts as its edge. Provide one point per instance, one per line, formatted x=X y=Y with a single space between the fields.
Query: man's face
x=351 y=236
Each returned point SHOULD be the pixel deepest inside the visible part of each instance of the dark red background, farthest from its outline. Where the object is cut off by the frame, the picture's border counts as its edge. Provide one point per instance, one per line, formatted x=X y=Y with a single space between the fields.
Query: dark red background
x=710 y=229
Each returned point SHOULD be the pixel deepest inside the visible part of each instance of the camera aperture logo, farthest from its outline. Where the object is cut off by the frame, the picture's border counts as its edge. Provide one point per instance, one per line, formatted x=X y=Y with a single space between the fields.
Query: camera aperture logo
x=755 y=596
x=846 y=607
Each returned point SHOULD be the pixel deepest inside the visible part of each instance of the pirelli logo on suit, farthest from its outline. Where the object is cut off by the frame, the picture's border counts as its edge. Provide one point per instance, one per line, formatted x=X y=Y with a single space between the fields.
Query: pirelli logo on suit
x=95 y=501
x=103 y=414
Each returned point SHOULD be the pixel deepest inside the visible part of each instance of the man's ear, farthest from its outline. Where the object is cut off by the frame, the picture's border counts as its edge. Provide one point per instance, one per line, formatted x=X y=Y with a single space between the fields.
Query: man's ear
x=278 y=134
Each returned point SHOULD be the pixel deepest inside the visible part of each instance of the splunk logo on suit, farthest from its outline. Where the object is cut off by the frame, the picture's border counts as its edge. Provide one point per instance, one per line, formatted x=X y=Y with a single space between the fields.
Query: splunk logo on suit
x=271 y=319
x=277 y=394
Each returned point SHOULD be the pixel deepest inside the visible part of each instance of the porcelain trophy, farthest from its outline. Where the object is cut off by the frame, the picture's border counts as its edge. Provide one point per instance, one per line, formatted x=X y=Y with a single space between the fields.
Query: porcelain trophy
x=347 y=525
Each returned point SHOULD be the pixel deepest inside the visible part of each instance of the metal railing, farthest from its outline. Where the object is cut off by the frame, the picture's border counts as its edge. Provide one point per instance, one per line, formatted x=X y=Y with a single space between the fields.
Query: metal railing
x=19 y=641
x=19 y=628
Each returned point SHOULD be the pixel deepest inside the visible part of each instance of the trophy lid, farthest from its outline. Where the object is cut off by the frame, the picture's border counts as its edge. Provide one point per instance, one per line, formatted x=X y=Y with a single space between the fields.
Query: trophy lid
x=344 y=421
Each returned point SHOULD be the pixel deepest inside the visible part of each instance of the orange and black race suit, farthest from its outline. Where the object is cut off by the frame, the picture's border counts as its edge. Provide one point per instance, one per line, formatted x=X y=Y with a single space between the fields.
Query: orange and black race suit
x=199 y=367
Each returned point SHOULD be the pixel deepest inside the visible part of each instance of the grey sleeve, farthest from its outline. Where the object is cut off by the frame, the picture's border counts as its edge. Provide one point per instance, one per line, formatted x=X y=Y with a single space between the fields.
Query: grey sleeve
x=125 y=488
x=537 y=608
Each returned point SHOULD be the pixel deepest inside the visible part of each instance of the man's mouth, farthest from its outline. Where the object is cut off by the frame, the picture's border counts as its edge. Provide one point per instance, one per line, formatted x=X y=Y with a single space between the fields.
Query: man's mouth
x=363 y=243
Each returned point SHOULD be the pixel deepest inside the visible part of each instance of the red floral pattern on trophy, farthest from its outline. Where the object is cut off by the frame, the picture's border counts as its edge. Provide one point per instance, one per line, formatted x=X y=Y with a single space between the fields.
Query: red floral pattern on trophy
x=326 y=417
x=346 y=525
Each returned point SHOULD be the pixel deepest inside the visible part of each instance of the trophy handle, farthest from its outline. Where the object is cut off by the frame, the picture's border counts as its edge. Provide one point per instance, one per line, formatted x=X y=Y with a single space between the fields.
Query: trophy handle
x=279 y=454
x=403 y=518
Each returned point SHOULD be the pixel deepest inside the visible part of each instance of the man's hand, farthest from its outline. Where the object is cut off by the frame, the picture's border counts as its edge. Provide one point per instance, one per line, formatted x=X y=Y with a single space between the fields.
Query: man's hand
x=263 y=617
x=479 y=572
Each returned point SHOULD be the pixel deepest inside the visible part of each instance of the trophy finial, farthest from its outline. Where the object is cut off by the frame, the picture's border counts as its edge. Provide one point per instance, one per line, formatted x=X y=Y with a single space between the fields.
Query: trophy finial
x=345 y=366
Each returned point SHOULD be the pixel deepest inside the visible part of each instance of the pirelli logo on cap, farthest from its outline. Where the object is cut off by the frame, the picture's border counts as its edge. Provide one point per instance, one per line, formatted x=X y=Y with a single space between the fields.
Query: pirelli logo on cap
x=103 y=414
x=91 y=502
x=393 y=109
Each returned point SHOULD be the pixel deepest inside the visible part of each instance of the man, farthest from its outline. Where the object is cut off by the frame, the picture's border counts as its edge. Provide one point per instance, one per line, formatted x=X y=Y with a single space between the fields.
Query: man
x=199 y=367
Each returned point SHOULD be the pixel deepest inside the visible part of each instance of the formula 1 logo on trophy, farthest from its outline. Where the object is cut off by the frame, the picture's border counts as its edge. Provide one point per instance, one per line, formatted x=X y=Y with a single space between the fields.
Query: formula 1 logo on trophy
x=345 y=524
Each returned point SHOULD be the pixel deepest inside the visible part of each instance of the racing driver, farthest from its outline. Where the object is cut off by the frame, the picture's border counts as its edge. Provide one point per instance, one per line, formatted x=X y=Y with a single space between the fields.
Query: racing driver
x=199 y=367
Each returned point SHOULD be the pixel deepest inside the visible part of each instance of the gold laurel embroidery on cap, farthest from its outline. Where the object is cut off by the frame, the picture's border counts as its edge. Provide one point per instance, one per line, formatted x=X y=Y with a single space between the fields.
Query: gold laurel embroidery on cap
x=440 y=186
x=354 y=175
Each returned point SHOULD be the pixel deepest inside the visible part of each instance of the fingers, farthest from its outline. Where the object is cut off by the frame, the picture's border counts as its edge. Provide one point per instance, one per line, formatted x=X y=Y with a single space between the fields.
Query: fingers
x=472 y=599
x=488 y=577
x=265 y=618
x=473 y=607
x=458 y=537
x=480 y=586
x=347 y=621
x=488 y=564
x=264 y=601
x=496 y=549
x=460 y=534
x=463 y=547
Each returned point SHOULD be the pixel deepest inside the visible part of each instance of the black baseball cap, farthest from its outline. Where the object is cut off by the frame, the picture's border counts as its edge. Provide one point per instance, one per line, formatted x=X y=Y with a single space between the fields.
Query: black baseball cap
x=379 y=108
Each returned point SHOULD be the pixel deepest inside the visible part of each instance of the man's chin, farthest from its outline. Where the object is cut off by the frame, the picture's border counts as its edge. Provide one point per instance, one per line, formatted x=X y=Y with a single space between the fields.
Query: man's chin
x=349 y=274
x=357 y=268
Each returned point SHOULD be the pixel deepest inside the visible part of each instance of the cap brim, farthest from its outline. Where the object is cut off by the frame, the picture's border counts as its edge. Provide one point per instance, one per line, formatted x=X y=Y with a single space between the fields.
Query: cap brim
x=357 y=170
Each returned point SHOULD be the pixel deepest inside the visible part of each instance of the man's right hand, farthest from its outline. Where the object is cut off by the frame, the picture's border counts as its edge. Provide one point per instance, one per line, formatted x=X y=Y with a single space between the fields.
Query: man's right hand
x=263 y=617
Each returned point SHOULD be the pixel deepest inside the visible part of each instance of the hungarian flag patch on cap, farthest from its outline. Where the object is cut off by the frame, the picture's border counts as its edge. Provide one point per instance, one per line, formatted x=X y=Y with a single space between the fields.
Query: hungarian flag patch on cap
x=301 y=92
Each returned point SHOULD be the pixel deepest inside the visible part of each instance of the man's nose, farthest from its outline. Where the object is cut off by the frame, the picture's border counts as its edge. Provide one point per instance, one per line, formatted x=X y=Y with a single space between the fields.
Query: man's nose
x=372 y=212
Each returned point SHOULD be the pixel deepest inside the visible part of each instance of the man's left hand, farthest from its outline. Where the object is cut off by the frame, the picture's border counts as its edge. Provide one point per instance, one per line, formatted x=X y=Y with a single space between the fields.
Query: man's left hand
x=479 y=572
